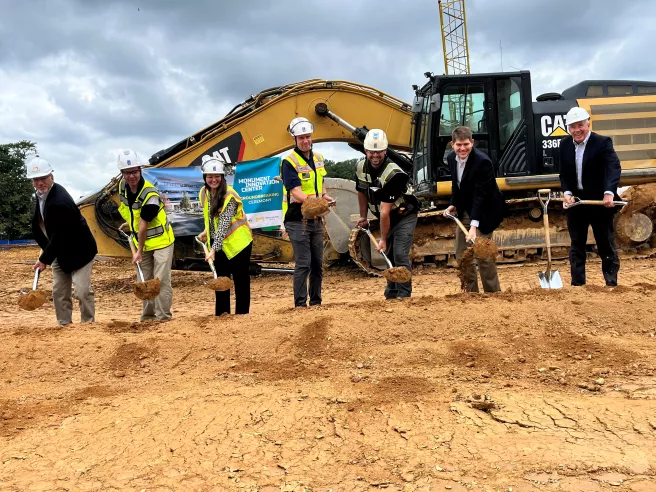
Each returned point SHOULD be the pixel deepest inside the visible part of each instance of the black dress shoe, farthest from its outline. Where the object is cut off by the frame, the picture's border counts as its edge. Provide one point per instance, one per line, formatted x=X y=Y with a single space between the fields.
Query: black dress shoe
x=611 y=284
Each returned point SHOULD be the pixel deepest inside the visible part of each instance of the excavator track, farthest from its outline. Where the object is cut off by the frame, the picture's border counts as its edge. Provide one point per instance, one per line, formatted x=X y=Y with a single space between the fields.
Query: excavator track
x=520 y=238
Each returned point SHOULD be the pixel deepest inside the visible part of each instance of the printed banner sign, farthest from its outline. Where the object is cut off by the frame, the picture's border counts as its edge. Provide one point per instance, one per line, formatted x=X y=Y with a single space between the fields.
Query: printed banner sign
x=256 y=182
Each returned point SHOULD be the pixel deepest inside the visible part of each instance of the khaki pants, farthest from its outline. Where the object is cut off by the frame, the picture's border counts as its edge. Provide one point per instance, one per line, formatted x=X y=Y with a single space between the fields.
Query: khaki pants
x=62 y=294
x=157 y=263
x=487 y=267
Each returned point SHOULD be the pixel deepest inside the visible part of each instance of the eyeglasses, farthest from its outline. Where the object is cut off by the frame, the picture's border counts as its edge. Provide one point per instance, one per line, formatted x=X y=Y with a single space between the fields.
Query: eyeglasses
x=376 y=152
x=130 y=173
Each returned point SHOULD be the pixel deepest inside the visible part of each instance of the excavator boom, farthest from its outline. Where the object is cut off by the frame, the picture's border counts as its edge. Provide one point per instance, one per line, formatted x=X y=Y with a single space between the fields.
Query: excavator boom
x=257 y=128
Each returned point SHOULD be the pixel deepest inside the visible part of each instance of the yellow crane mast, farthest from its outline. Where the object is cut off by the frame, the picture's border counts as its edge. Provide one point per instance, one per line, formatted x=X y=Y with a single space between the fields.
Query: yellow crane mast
x=453 y=22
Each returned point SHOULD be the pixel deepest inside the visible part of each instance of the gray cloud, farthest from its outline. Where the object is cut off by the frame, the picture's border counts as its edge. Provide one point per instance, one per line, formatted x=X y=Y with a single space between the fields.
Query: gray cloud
x=85 y=78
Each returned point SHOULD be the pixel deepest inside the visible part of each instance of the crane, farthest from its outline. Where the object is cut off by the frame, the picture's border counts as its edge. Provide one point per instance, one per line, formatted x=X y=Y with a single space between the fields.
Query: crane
x=453 y=22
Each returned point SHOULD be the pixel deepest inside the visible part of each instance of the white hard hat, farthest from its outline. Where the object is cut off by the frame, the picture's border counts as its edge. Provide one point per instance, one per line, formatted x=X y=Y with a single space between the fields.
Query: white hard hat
x=128 y=159
x=38 y=168
x=576 y=114
x=212 y=165
x=375 y=140
x=300 y=126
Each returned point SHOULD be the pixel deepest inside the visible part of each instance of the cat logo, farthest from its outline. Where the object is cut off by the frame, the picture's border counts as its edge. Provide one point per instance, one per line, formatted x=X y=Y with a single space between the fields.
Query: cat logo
x=553 y=126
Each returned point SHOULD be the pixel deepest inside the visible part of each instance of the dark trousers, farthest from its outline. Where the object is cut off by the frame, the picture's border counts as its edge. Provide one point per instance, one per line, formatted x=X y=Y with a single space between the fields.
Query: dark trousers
x=307 y=241
x=238 y=268
x=399 y=242
x=601 y=220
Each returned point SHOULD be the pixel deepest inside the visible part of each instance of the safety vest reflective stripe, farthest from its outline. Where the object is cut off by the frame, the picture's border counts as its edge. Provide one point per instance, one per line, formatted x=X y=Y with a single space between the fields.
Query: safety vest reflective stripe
x=236 y=225
x=312 y=185
x=155 y=231
x=159 y=233
x=359 y=171
x=144 y=192
x=390 y=170
x=239 y=233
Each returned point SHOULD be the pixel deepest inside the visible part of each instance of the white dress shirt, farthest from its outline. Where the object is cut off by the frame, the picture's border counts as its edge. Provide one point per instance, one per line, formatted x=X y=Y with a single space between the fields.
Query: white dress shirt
x=460 y=170
x=42 y=200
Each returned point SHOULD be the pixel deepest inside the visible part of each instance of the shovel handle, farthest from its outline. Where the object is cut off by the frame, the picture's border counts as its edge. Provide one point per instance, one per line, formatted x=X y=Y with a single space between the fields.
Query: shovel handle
x=375 y=243
x=544 y=201
x=204 y=246
x=457 y=221
x=37 y=272
x=140 y=274
x=595 y=202
x=547 y=237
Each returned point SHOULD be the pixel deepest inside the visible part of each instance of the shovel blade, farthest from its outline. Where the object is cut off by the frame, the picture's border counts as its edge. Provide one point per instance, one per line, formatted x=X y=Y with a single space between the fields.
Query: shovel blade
x=550 y=280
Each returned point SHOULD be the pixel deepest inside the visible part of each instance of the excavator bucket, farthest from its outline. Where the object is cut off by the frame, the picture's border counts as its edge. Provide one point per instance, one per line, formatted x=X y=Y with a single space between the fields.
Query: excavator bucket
x=346 y=199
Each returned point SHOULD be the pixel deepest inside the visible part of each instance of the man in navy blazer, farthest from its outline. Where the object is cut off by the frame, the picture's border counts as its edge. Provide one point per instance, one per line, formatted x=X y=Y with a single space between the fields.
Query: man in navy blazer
x=479 y=203
x=590 y=170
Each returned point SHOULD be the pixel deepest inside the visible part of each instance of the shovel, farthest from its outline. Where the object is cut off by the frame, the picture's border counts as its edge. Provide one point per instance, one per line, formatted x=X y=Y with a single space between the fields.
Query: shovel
x=34 y=298
x=457 y=221
x=218 y=283
x=393 y=274
x=549 y=279
x=146 y=290
x=578 y=201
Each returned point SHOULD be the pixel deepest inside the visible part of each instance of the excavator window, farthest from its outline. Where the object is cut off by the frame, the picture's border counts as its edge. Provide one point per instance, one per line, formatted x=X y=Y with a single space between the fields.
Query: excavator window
x=509 y=108
x=422 y=150
x=462 y=105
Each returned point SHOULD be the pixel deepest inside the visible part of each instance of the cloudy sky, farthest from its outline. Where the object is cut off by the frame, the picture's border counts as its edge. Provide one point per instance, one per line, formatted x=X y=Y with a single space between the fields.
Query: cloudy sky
x=87 y=78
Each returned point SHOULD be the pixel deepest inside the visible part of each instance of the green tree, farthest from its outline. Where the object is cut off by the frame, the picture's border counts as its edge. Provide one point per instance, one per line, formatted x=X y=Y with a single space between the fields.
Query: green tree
x=185 y=202
x=16 y=191
x=341 y=169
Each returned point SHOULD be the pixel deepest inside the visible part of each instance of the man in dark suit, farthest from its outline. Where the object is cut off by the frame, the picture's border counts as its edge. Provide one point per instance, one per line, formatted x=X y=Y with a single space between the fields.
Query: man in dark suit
x=590 y=170
x=478 y=201
x=66 y=243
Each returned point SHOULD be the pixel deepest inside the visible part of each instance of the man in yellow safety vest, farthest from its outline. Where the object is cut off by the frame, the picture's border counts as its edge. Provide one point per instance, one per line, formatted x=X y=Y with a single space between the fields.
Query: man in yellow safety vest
x=142 y=208
x=302 y=176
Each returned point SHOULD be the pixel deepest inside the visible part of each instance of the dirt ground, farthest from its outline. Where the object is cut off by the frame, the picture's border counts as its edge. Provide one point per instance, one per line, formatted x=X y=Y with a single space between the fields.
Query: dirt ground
x=526 y=390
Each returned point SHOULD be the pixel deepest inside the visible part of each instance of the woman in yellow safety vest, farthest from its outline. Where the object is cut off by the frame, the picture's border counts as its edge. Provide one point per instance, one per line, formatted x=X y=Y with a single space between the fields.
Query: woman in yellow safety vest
x=227 y=235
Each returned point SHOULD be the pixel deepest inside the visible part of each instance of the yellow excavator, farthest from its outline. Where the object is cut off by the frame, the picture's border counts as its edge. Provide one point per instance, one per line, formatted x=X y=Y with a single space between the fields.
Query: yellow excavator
x=521 y=137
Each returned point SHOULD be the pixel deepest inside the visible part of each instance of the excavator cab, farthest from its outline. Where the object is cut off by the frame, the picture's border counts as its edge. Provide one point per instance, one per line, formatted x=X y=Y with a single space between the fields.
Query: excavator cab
x=497 y=107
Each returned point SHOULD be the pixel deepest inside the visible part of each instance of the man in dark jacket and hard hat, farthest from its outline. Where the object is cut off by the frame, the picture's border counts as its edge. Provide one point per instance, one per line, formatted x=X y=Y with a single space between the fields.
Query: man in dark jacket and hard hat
x=66 y=242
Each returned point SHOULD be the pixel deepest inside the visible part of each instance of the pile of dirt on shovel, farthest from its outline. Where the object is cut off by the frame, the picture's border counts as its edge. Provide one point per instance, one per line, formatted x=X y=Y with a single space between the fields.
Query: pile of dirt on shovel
x=398 y=274
x=147 y=290
x=314 y=207
x=220 y=284
x=32 y=300
x=485 y=249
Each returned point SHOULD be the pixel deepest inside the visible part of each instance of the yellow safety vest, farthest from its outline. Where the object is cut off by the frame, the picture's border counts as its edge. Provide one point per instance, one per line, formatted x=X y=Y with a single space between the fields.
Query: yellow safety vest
x=239 y=233
x=311 y=180
x=389 y=170
x=159 y=233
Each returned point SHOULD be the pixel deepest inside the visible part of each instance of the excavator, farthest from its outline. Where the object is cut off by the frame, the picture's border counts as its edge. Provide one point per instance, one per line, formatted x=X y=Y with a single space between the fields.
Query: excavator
x=521 y=137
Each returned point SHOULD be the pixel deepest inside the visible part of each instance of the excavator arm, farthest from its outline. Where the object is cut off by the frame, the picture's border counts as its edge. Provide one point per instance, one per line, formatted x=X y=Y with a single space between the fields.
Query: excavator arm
x=255 y=129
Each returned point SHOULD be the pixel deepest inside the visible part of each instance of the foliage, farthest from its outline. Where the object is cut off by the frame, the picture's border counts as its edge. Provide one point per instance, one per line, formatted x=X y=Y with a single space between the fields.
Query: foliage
x=342 y=169
x=185 y=202
x=16 y=191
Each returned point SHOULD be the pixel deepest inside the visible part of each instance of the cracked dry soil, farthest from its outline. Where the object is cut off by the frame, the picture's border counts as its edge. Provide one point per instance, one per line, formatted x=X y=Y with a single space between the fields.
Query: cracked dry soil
x=359 y=394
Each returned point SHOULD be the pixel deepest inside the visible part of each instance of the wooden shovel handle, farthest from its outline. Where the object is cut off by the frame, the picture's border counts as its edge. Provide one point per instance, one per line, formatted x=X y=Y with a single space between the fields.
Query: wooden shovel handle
x=373 y=240
x=547 y=237
x=206 y=251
